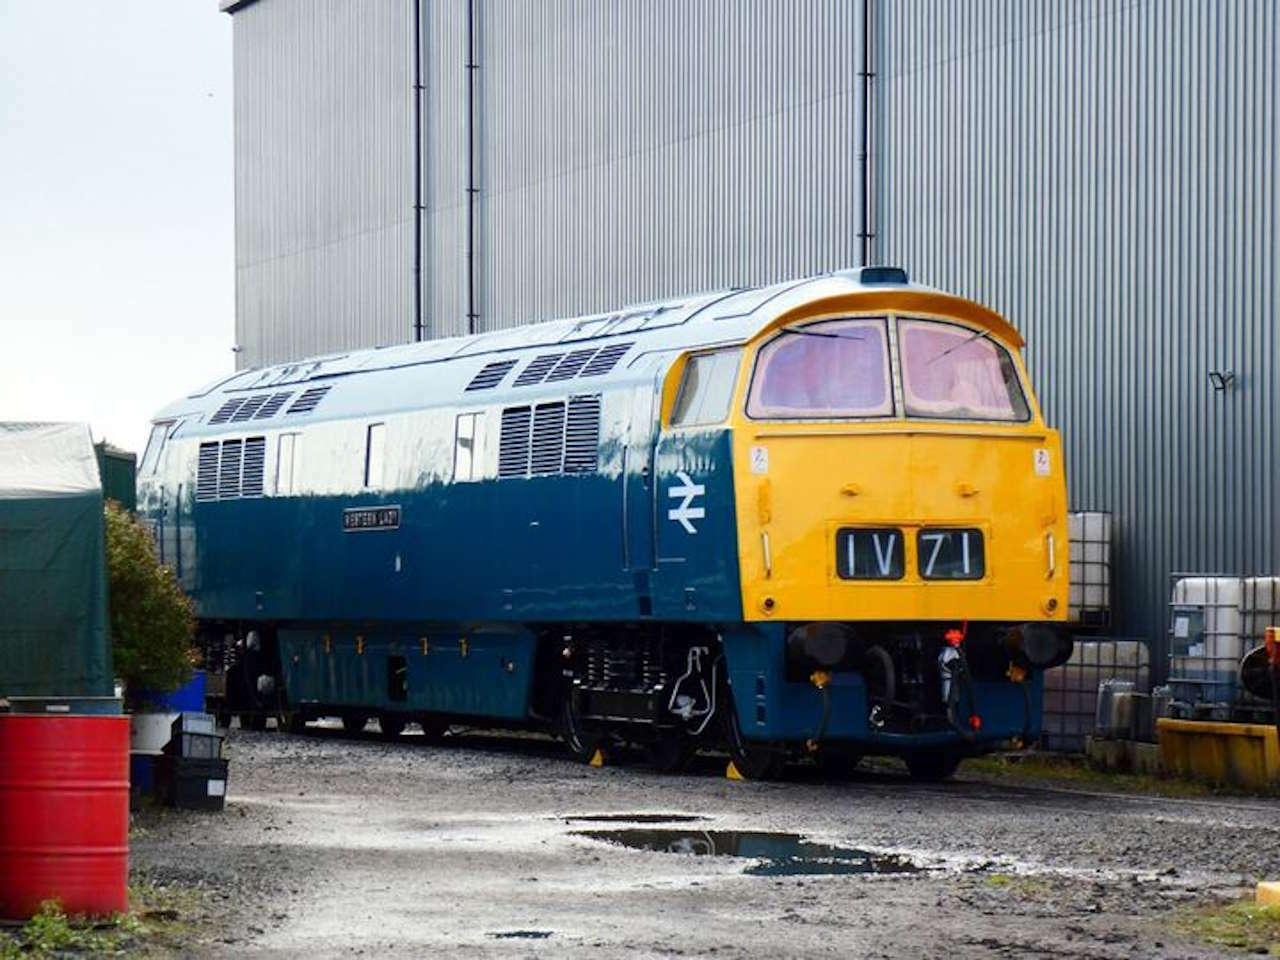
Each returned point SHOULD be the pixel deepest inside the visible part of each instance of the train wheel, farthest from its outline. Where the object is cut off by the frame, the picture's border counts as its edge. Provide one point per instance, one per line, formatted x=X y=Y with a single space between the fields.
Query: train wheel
x=754 y=760
x=392 y=726
x=931 y=764
x=291 y=721
x=354 y=723
x=671 y=752
x=433 y=728
x=253 y=721
x=837 y=761
x=582 y=739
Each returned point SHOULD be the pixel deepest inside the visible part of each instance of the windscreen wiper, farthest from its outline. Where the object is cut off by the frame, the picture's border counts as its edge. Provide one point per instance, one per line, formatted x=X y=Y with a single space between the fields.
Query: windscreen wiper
x=966 y=340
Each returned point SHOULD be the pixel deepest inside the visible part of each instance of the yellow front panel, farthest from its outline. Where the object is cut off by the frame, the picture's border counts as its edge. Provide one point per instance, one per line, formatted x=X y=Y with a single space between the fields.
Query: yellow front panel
x=798 y=483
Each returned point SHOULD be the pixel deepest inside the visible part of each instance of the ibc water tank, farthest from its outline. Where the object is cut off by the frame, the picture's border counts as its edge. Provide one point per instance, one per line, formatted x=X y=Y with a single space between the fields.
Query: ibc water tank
x=1089 y=540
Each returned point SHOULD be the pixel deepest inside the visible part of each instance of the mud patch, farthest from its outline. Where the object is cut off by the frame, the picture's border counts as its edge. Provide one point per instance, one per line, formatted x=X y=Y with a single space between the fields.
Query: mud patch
x=778 y=854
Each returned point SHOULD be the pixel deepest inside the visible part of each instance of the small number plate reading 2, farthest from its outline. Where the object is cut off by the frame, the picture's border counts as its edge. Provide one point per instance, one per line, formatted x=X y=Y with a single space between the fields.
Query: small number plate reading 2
x=355 y=519
x=950 y=554
x=863 y=554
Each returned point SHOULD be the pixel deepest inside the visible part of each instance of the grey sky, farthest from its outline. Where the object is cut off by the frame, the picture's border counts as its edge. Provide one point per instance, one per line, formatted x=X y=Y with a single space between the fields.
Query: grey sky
x=116 y=253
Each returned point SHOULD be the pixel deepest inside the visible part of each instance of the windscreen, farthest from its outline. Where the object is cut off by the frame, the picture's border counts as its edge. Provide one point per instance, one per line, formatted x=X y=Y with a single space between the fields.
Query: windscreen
x=837 y=368
x=956 y=373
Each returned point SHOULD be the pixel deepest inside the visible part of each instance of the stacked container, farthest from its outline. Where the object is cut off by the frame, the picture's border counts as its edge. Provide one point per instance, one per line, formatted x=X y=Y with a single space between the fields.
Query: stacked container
x=1215 y=621
x=1089 y=537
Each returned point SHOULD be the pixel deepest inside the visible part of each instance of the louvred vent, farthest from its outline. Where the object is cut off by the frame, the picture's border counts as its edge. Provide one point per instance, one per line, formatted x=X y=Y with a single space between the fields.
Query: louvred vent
x=605 y=359
x=513 y=444
x=272 y=406
x=255 y=458
x=490 y=375
x=570 y=365
x=308 y=401
x=548 y=438
x=582 y=435
x=537 y=369
x=229 y=470
x=224 y=412
x=207 y=472
x=251 y=406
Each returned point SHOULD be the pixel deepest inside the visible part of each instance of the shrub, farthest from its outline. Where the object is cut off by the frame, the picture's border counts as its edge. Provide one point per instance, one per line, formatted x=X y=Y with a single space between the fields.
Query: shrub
x=152 y=620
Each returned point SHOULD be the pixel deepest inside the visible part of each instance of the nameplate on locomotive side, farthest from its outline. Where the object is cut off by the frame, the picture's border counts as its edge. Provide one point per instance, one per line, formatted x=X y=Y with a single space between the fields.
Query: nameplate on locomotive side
x=355 y=519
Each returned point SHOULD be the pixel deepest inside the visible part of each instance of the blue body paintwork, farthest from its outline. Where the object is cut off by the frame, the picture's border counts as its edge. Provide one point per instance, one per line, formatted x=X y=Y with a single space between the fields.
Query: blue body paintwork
x=771 y=708
x=475 y=568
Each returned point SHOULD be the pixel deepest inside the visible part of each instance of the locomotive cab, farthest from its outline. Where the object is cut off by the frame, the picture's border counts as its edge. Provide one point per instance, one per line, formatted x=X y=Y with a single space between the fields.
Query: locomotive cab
x=901 y=532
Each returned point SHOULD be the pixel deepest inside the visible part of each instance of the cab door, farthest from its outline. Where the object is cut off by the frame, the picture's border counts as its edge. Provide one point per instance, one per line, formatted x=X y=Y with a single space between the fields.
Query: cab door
x=637 y=473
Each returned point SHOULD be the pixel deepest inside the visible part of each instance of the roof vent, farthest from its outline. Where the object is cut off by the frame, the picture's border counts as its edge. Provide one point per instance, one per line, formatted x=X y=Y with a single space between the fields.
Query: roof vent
x=606 y=359
x=490 y=375
x=570 y=365
x=251 y=406
x=224 y=412
x=272 y=406
x=307 y=402
x=537 y=369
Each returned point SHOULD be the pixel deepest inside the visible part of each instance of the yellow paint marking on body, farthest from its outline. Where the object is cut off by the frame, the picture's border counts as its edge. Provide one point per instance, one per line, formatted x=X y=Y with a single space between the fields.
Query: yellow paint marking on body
x=597 y=758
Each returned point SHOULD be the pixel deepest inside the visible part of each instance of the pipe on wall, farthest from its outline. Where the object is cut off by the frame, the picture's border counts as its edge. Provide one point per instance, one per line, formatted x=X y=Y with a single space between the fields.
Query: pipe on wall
x=864 y=155
x=471 y=168
x=418 y=326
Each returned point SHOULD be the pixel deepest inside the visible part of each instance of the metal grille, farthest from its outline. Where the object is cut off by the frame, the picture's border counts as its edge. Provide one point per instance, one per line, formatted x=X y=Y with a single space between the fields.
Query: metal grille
x=537 y=369
x=490 y=375
x=605 y=359
x=513 y=444
x=229 y=470
x=582 y=438
x=255 y=458
x=308 y=401
x=251 y=406
x=224 y=412
x=548 y=438
x=272 y=406
x=570 y=365
x=207 y=472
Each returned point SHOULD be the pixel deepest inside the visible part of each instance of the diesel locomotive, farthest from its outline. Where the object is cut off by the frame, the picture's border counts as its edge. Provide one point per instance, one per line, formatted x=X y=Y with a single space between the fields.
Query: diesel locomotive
x=823 y=517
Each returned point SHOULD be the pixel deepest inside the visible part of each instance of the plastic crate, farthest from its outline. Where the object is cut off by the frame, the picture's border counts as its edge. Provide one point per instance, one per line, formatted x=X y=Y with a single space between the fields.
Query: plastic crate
x=192 y=784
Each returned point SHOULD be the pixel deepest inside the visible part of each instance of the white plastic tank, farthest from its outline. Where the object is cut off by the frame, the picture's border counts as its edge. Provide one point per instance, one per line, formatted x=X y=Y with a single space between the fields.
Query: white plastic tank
x=1206 y=641
x=1089 y=539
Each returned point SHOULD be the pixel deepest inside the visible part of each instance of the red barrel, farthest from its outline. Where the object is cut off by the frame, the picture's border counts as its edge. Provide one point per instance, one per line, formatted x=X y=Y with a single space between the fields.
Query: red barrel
x=64 y=814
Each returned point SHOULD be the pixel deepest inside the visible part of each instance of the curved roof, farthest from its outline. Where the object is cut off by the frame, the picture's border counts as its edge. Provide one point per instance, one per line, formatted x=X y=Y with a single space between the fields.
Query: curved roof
x=577 y=354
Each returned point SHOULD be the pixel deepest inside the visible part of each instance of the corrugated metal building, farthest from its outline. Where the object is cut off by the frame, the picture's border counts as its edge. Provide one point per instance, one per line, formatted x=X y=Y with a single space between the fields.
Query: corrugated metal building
x=1104 y=173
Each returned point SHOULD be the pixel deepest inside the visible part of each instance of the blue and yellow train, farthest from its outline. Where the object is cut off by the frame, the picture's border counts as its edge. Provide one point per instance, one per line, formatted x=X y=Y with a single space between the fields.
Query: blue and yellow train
x=823 y=517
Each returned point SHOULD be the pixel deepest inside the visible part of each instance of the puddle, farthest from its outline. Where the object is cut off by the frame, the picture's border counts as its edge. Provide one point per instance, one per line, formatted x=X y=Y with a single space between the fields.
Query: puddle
x=635 y=818
x=521 y=935
x=780 y=854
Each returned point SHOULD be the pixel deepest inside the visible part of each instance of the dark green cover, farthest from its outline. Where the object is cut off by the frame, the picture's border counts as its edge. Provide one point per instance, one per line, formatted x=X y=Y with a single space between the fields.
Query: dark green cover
x=118 y=470
x=53 y=580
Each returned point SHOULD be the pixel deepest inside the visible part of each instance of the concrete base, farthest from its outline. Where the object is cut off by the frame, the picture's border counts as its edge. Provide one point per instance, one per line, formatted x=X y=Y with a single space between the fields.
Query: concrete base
x=1123 y=756
x=1241 y=754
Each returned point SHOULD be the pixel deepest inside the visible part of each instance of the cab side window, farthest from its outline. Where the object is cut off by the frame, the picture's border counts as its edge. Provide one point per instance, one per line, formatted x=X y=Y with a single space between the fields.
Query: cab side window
x=706 y=389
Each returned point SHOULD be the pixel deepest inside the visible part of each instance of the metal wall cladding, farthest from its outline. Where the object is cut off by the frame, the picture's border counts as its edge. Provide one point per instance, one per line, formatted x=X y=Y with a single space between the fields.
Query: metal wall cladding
x=1104 y=174
x=323 y=160
x=629 y=151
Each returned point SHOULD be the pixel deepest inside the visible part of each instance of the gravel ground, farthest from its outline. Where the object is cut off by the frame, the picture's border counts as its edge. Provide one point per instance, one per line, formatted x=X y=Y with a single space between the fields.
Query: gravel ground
x=472 y=848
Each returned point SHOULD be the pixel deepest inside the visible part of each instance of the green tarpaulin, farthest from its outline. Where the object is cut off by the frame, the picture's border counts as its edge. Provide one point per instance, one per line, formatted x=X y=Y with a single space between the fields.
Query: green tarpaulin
x=53 y=581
